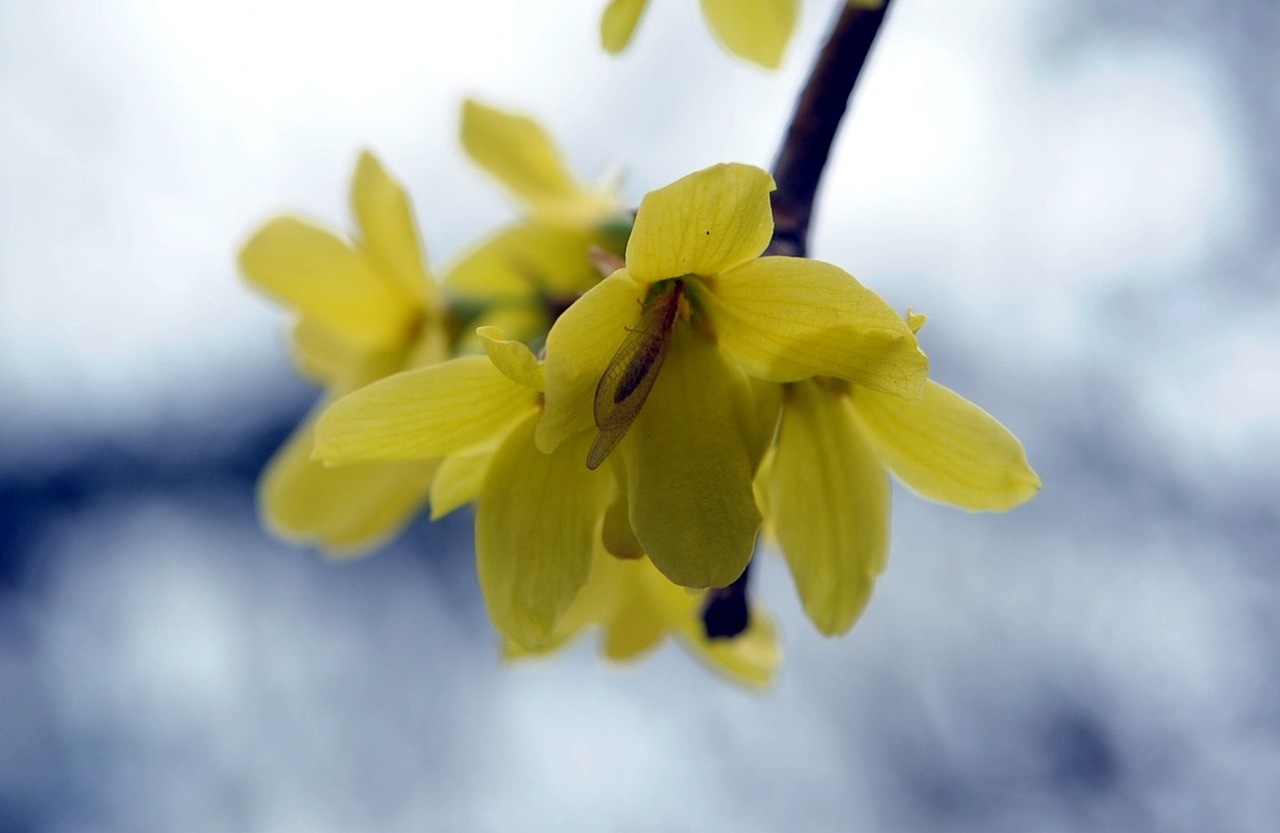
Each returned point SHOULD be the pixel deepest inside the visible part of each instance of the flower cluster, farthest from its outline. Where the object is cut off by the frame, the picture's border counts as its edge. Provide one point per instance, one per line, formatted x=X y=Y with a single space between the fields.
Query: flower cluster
x=628 y=399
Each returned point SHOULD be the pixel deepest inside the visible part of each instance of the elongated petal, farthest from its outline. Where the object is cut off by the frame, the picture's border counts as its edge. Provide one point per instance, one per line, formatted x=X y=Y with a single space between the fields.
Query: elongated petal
x=619 y=23
x=705 y=223
x=345 y=510
x=788 y=318
x=322 y=278
x=579 y=348
x=389 y=236
x=537 y=524
x=513 y=359
x=757 y=30
x=948 y=449
x=422 y=414
x=689 y=462
x=459 y=479
x=519 y=153
x=830 y=502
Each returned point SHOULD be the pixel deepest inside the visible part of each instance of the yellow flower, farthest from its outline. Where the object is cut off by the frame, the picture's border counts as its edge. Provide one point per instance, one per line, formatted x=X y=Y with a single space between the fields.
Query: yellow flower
x=757 y=30
x=542 y=521
x=537 y=515
x=827 y=490
x=522 y=276
x=366 y=307
x=636 y=607
x=668 y=360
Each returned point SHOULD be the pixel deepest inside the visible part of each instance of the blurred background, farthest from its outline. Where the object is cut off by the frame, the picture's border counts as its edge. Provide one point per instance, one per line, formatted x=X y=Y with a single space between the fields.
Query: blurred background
x=1082 y=195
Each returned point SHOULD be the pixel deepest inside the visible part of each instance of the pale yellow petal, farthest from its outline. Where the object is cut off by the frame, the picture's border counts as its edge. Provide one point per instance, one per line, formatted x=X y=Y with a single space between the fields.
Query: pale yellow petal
x=637 y=625
x=388 y=234
x=321 y=355
x=689 y=463
x=424 y=413
x=458 y=480
x=703 y=224
x=752 y=657
x=537 y=523
x=786 y=318
x=579 y=348
x=528 y=262
x=346 y=510
x=519 y=153
x=757 y=30
x=616 y=534
x=619 y=23
x=513 y=359
x=829 y=497
x=322 y=278
x=948 y=449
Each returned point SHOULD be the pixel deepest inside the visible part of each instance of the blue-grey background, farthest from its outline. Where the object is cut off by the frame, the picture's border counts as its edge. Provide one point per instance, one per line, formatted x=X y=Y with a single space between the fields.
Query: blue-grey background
x=1082 y=194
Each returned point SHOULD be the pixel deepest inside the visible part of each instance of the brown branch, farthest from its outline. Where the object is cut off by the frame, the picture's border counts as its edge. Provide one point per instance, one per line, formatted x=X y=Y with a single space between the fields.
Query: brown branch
x=819 y=109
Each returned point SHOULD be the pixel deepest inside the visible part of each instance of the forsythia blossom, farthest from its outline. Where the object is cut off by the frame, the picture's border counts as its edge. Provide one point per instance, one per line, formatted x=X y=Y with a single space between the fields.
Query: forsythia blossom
x=827 y=493
x=366 y=307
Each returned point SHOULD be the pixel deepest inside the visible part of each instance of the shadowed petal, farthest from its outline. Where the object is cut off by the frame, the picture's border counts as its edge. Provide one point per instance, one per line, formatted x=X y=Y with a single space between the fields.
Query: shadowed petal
x=689 y=459
x=829 y=499
x=537 y=524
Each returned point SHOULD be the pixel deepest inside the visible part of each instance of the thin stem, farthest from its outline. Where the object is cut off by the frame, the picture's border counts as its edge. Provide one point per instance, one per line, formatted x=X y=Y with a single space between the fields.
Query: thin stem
x=819 y=109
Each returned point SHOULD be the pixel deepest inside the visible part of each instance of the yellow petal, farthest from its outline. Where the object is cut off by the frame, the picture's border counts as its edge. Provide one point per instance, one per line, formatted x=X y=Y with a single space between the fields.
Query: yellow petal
x=788 y=318
x=424 y=413
x=757 y=30
x=689 y=462
x=389 y=237
x=830 y=502
x=537 y=523
x=618 y=538
x=519 y=153
x=513 y=359
x=319 y=354
x=619 y=23
x=703 y=224
x=346 y=510
x=530 y=261
x=458 y=480
x=579 y=348
x=948 y=449
x=751 y=657
x=325 y=280
x=637 y=624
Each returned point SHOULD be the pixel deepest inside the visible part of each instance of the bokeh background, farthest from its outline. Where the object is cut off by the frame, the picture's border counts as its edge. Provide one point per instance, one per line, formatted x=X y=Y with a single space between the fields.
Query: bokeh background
x=1084 y=195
